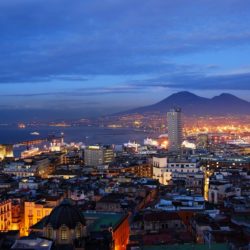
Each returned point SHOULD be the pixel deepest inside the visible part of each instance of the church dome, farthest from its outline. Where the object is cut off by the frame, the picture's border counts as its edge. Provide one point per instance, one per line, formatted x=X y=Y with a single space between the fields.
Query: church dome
x=66 y=214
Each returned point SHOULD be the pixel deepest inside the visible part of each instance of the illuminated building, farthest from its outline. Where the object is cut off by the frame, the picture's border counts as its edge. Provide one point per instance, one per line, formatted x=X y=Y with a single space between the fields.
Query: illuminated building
x=151 y=142
x=131 y=146
x=30 y=153
x=66 y=226
x=6 y=151
x=34 y=211
x=5 y=215
x=202 y=141
x=159 y=169
x=142 y=170
x=175 y=136
x=189 y=172
x=108 y=155
x=97 y=155
x=19 y=169
x=225 y=163
x=107 y=229
x=160 y=142
x=187 y=144
x=16 y=212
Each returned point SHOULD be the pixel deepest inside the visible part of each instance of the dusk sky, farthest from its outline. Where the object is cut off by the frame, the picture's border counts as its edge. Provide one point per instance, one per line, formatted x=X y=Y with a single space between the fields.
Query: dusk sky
x=110 y=55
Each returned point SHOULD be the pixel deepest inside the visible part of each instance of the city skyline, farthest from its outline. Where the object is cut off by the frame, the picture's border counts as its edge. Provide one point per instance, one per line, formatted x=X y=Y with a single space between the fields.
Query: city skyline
x=125 y=124
x=59 y=56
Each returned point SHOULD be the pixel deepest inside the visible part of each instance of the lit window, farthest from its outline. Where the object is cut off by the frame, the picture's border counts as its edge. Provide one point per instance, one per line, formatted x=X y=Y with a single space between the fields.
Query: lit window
x=64 y=235
x=78 y=232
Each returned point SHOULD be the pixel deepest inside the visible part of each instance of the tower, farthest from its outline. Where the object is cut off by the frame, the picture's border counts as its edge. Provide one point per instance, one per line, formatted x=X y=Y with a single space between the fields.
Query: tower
x=175 y=136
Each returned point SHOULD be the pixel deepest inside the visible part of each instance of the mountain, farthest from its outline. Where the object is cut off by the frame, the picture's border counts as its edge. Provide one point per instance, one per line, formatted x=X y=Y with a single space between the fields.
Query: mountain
x=192 y=104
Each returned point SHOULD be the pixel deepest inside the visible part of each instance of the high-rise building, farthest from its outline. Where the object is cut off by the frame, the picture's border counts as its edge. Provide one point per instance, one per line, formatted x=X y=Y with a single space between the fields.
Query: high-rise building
x=97 y=155
x=175 y=136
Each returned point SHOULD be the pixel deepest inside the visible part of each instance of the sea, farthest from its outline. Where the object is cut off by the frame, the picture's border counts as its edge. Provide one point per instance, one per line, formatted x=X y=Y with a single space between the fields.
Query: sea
x=87 y=135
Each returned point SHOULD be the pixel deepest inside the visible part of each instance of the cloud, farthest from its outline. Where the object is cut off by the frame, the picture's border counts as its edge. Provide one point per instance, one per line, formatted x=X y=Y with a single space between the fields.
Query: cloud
x=198 y=81
x=44 y=40
x=122 y=89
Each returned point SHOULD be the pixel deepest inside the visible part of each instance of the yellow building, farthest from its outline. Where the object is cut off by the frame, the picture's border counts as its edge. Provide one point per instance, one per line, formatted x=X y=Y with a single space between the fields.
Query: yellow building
x=34 y=211
x=5 y=215
x=6 y=151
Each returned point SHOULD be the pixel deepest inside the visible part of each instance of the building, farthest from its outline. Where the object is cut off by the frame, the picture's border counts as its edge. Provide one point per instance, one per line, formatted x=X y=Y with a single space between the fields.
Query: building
x=34 y=211
x=19 y=169
x=97 y=155
x=175 y=136
x=186 y=171
x=181 y=203
x=220 y=190
x=5 y=216
x=160 y=165
x=66 y=226
x=38 y=244
x=140 y=170
x=156 y=221
x=6 y=151
x=107 y=230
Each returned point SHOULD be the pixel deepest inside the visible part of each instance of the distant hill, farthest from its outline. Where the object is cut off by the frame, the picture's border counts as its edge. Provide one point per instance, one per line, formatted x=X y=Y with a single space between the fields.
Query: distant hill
x=192 y=104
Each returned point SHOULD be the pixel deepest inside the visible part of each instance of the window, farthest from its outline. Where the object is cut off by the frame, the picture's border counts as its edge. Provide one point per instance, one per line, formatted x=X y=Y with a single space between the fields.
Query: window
x=50 y=233
x=64 y=234
x=78 y=232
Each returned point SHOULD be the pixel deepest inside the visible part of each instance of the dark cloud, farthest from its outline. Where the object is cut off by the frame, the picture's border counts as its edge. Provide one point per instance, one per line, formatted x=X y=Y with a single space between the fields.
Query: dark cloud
x=44 y=40
x=129 y=89
x=198 y=81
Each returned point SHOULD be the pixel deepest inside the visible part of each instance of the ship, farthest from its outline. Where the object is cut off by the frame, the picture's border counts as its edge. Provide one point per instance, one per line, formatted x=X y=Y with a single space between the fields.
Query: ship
x=21 y=125
x=35 y=133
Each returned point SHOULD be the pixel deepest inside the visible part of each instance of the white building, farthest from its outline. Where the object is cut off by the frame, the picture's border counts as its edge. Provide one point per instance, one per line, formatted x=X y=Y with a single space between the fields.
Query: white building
x=159 y=169
x=219 y=190
x=181 y=202
x=165 y=171
x=19 y=169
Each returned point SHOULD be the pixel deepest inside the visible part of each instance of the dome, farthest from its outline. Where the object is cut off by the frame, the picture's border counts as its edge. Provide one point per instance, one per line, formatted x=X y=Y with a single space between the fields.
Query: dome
x=65 y=214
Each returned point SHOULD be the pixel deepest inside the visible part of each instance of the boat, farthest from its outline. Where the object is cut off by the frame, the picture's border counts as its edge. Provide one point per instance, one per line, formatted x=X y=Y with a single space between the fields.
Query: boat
x=35 y=133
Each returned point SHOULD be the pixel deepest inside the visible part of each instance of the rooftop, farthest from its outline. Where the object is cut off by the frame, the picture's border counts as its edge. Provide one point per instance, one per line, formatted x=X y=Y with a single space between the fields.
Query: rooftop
x=104 y=220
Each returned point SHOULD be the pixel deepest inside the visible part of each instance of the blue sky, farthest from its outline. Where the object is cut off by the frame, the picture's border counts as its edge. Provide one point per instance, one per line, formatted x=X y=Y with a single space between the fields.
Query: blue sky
x=110 y=55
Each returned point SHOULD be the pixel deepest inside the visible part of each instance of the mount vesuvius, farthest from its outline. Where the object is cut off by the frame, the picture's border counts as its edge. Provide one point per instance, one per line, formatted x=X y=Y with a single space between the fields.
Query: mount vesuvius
x=191 y=104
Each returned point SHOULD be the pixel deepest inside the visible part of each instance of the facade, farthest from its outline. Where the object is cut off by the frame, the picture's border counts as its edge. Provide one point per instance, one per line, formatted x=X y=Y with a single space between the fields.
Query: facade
x=157 y=221
x=66 y=226
x=96 y=155
x=19 y=169
x=159 y=169
x=220 y=190
x=107 y=230
x=175 y=136
x=142 y=170
x=35 y=211
x=16 y=213
x=181 y=203
x=5 y=216
x=188 y=172
x=6 y=151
